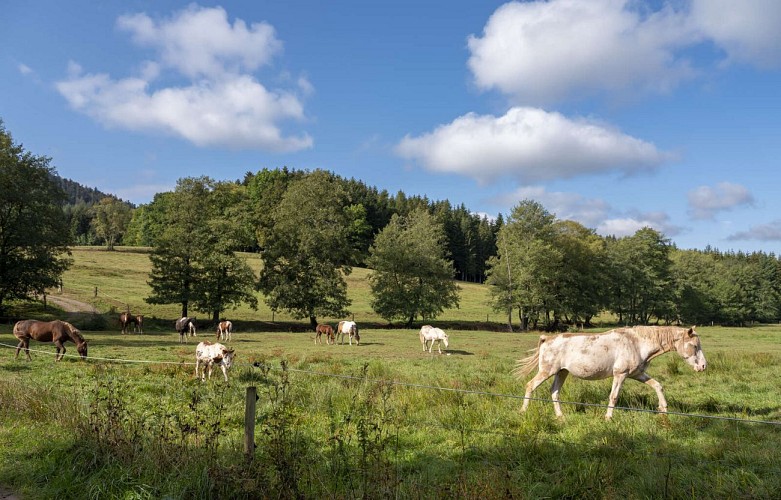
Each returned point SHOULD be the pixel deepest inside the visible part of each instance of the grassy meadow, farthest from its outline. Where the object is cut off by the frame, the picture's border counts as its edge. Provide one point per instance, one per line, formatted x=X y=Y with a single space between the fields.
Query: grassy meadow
x=379 y=420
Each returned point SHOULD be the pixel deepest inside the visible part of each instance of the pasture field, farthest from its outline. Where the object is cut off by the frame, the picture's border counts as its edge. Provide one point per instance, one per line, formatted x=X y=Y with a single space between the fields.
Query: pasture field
x=382 y=419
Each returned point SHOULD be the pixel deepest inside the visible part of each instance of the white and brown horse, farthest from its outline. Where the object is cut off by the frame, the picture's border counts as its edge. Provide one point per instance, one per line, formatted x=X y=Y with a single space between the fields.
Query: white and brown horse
x=184 y=326
x=207 y=355
x=58 y=332
x=225 y=330
x=621 y=353
x=350 y=329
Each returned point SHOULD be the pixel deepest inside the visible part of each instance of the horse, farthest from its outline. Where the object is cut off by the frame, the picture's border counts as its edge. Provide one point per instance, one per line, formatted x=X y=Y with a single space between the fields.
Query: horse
x=125 y=319
x=185 y=325
x=326 y=330
x=430 y=334
x=210 y=354
x=139 y=327
x=57 y=332
x=224 y=330
x=620 y=353
x=348 y=328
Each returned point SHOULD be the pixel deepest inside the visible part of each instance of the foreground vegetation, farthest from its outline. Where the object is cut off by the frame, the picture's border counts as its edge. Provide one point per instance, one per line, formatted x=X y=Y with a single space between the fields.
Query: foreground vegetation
x=338 y=421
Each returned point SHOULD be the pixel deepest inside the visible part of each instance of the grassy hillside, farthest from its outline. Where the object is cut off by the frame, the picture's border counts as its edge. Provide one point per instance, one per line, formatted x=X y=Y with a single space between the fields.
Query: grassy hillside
x=121 y=280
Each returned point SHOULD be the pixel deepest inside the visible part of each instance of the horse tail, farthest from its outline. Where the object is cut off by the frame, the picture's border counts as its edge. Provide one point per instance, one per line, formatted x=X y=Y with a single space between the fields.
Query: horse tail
x=526 y=365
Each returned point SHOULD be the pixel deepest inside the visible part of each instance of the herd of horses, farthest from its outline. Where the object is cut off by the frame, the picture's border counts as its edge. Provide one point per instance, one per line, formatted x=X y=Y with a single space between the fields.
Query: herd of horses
x=619 y=353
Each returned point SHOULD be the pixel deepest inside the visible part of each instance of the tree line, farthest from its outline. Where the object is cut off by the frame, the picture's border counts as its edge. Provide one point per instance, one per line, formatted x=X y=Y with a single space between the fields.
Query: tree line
x=311 y=228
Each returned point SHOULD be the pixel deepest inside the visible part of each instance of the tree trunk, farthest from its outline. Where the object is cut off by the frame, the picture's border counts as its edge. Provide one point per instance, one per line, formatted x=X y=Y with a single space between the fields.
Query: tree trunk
x=313 y=321
x=216 y=317
x=184 y=309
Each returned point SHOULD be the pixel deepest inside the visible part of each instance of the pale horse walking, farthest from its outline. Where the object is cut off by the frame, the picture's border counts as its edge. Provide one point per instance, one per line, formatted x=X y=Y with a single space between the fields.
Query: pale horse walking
x=431 y=334
x=619 y=353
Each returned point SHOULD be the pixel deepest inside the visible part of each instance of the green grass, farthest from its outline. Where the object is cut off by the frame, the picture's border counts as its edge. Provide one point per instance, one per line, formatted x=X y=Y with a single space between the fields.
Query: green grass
x=368 y=420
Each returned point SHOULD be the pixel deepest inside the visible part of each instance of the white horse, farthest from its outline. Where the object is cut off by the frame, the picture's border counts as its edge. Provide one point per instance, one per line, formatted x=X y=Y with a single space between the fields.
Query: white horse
x=208 y=355
x=350 y=329
x=430 y=334
x=185 y=325
x=620 y=353
x=225 y=330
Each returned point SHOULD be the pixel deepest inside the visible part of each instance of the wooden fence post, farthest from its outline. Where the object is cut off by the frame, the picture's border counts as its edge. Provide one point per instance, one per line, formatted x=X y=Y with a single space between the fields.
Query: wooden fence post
x=249 y=422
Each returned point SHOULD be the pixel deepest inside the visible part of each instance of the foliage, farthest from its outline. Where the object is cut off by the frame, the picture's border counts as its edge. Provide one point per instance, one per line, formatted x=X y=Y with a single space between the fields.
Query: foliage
x=111 y=217
x=411 y=276
x=33 y=231
x=193 y=262
x=307 y=250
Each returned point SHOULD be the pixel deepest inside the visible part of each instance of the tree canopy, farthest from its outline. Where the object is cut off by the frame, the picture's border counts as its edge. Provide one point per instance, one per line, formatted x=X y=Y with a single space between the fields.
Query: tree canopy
x=411 y=276
x=34 y=235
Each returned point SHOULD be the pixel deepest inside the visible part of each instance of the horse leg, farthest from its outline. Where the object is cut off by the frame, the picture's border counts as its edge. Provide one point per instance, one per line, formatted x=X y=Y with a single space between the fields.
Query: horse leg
x=558 y=381
x=224 y=372
x=533 y=384
x=60 y=350
x=439 y=346
x=618 y=380
x=23 y=344
x=197 y=364
x=657 y=387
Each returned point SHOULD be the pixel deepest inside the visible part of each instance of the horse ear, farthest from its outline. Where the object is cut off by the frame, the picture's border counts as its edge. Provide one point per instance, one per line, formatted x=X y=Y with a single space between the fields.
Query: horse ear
x=691 y=330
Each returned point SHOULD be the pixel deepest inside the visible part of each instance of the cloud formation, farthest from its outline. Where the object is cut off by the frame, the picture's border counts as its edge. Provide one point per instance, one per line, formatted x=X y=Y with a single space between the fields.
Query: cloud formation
x=762 y=232
x=528 y=144
x=543 y=52
x=706 y=201
x=221 y=104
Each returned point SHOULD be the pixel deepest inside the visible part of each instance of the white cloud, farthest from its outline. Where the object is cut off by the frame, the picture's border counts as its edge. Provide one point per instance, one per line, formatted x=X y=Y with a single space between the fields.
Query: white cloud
x=222 y=104
x=706 y=201
x=528 y=144
x=539 y=52
x=566 y=206
x=762 y=232
x=631 y=223
x=201 y=41
x=24 y=69
x=748 y=30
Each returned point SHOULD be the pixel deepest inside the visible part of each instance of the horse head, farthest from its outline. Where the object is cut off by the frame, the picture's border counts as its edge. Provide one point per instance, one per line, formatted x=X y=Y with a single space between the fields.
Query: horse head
x=690 y=349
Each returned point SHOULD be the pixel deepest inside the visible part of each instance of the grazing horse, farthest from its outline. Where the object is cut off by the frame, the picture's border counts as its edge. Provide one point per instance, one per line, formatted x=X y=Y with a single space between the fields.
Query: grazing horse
x=224 y=330
x=430 y=334
x=125 y=319
x=185 y=325
x=326 y=330
x=620 y=353
x=210 y=354
x=57 y=332
x=350 y=329
x=139 y=327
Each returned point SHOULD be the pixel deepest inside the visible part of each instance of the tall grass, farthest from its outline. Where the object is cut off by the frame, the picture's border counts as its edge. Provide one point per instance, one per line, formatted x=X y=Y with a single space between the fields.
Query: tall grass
x=105 y=429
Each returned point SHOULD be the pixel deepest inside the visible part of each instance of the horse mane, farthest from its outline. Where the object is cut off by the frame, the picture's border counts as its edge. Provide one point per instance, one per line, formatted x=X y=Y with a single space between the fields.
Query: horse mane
x=666 y=336
x=74 y=332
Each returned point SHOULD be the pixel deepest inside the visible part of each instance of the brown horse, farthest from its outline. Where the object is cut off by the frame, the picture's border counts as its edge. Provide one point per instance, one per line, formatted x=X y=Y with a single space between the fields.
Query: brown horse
x=57 y=332
x=326 y=330
x=126 y=318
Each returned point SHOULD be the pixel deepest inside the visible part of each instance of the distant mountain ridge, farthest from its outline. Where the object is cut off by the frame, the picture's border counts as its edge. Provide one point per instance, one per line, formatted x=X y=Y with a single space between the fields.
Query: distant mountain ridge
x=77 y=193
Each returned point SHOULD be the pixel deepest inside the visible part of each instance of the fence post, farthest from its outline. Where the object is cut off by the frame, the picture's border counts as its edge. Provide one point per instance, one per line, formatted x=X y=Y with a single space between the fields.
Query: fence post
x=96 y=291
x=249 y=422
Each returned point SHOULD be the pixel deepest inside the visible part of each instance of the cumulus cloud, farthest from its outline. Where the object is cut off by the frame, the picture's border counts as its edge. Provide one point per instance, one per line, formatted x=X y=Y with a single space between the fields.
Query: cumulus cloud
x=528 y=144
x=631 y=223
x=706 y=201
x=221 y=104
x=540 y=52
x=762 y=232
x=566 y=206
x=747 y=30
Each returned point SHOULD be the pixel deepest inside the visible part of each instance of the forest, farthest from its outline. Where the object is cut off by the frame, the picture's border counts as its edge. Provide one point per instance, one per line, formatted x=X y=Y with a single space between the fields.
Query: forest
x=545 y=272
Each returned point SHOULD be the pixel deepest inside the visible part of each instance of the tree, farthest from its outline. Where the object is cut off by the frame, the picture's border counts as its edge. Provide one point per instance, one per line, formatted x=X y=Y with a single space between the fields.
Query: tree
x=306 y=250
x=34 y=232
x=411 y=276
x=193 y=262
x=112 y=217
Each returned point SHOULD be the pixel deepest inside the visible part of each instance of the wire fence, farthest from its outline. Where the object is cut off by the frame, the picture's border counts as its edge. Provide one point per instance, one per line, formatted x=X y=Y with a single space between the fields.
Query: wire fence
x=413 y=385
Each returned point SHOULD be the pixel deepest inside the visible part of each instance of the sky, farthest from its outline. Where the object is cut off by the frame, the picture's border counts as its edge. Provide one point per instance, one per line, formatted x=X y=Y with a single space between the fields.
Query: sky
x=618 y=114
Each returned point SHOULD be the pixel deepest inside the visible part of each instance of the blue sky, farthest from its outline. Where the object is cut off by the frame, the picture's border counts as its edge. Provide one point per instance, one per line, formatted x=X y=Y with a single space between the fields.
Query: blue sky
x=616 y=113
